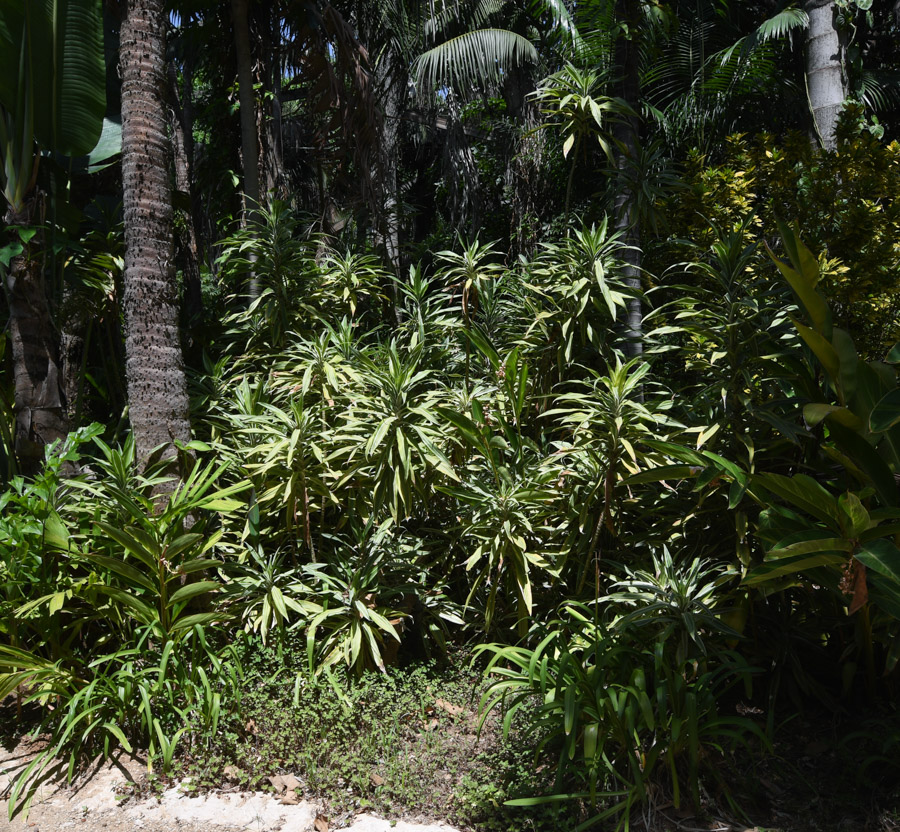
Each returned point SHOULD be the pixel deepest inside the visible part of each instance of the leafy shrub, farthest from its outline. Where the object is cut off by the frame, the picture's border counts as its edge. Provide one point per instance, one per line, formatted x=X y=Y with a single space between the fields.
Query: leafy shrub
x=631 y=695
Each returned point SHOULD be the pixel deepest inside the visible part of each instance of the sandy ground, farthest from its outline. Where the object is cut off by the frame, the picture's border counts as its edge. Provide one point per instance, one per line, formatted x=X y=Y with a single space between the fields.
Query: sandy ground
x=100 y=800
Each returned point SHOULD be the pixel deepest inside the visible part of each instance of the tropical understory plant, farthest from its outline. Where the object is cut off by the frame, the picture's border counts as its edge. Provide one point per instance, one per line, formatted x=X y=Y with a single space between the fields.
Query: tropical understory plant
x=645 y=542
x=116 y=634
x=629 y=690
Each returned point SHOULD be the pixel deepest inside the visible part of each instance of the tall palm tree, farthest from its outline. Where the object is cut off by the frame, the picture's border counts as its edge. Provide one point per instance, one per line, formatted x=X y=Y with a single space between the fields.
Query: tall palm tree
x=157 y=389
x=627 y=134
x=825 y=79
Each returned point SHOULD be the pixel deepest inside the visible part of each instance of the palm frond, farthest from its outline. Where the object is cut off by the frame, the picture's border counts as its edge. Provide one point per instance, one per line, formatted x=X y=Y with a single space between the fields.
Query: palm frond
x=473 y=14
x=775 y=28
x=473 y=58
x=881 y=89
x=781 y=24
x=559 y=23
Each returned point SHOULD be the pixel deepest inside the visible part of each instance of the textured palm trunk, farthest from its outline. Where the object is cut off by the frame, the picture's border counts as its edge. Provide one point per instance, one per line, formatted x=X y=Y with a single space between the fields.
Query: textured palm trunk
x=824 y=72
x=626 y=134
x=270 y=72
x=39 y=398
x=157 y=389
x=74 y=343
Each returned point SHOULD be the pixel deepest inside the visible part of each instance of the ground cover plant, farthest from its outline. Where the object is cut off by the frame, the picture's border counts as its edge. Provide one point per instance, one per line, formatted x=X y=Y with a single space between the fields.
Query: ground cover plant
x=487 y=412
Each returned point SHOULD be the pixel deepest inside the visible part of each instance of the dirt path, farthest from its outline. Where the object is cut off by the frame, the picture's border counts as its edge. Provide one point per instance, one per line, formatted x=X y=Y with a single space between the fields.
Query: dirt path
x=101 y=800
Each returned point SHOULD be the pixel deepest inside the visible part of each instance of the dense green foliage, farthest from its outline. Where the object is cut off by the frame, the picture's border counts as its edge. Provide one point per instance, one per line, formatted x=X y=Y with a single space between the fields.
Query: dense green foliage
x=454 y=443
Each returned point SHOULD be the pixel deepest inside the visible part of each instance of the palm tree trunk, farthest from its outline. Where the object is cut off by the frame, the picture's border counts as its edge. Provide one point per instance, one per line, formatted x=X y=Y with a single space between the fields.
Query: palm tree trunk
x=627 y=137
x=271 y=72
x=39 y=397
x=157 y=389
x=824 y=73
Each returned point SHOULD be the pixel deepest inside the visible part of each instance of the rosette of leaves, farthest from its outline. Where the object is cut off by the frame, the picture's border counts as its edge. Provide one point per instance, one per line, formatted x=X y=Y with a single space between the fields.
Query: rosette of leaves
x=390 y=441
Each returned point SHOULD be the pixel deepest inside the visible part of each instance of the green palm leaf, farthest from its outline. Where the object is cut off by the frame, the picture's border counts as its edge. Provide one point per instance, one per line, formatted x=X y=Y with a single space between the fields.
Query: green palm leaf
x=472 y=58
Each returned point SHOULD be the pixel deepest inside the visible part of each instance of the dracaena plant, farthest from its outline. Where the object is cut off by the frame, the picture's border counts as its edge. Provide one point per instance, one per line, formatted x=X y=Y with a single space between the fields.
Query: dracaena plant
x=319 y=366
x=349 y=279
x=371 y=583
x=273 y=252
x=389 y=442
x=465 y=275
x=270 y=594
x=283 y=451
x=427 y=318
x=678 y=603
x=728 y=314
x=355 y=615
x=508 y=509
x=577 y=294
x=622 y=711
x=607 y=421
x=574 y=102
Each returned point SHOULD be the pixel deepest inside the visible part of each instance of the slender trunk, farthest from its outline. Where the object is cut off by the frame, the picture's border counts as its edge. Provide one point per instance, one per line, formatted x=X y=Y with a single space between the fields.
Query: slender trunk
x=571 y=182
x=390 y=81
x=824 y=72
x=392 y=98
x=524 y=168
x=271 y=74
x=73 y=347
x=187 y=239
x=187 y=97
x=627 y=137
x=187 y=120
x=246 y=98
x=157 y=389
x=249 y=150
x=39 y=398
x=460 y=172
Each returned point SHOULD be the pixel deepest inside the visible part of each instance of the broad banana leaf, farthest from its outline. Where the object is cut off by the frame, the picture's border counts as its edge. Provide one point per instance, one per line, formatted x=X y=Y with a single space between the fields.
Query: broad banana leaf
x=52 y=50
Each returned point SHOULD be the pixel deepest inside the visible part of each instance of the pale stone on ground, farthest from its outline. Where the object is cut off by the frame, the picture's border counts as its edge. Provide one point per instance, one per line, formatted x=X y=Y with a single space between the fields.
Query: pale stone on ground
x=94 y=804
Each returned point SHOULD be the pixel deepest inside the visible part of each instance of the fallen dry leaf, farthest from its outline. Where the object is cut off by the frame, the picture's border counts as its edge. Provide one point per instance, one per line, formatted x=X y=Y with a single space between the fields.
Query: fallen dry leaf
x=321 y=824
x=448 y=707
x=290 y=782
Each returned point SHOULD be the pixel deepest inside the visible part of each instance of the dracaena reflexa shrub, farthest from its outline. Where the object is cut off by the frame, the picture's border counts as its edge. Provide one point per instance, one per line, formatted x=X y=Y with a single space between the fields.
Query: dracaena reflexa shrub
x=628 y=690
